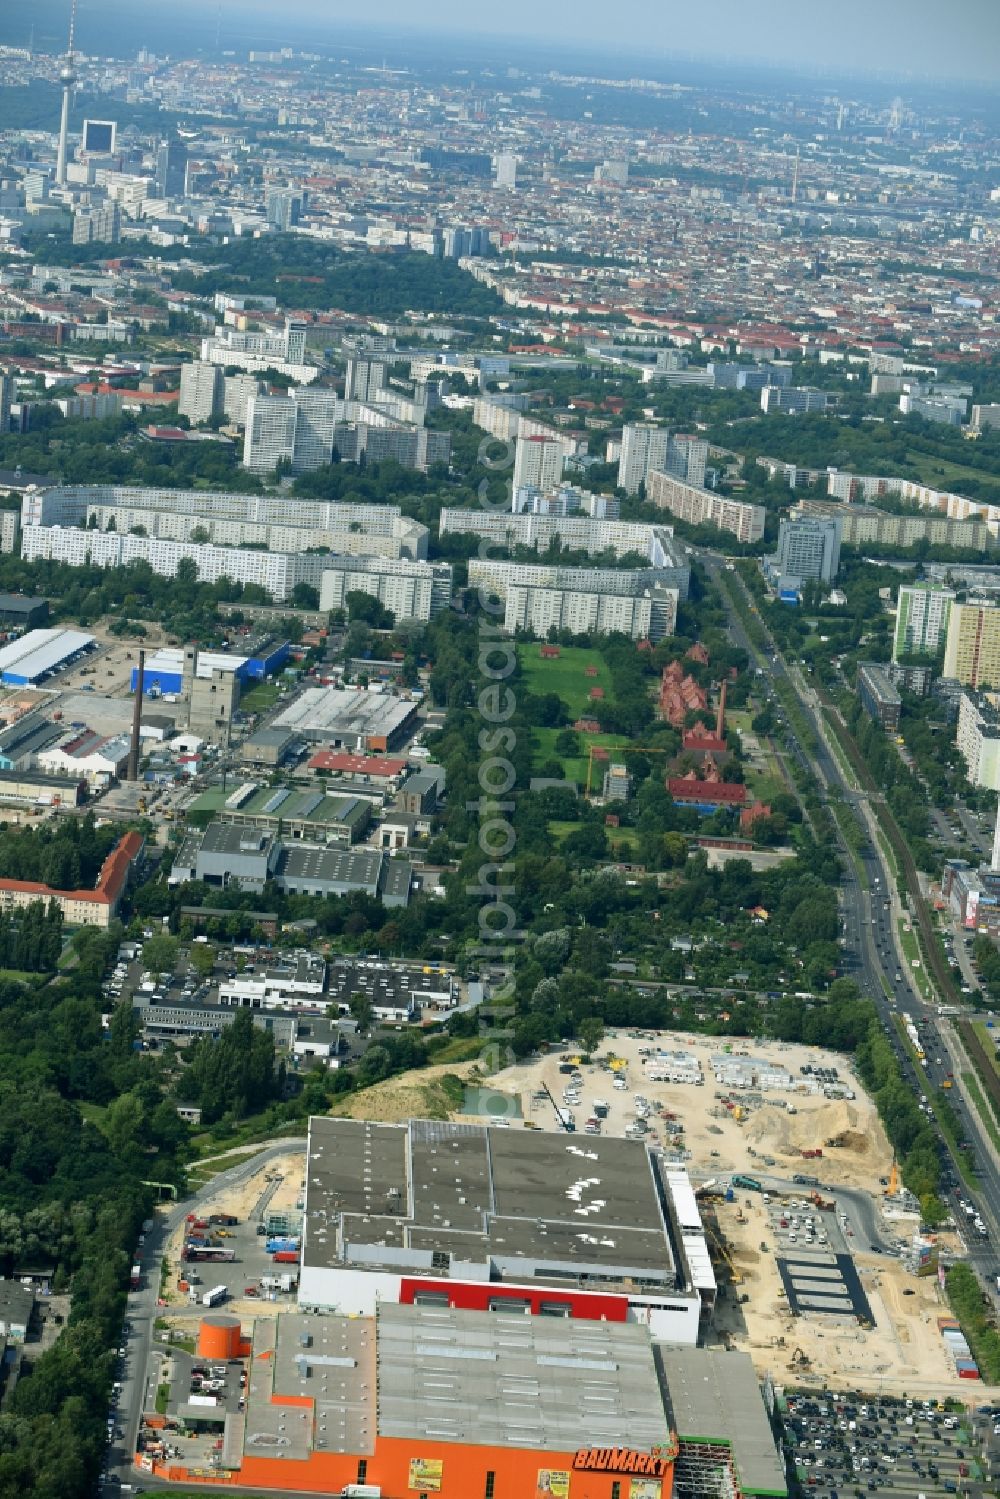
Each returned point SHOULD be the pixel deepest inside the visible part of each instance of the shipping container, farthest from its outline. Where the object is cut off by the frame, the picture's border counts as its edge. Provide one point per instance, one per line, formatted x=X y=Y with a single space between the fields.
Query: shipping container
x=286 y=1257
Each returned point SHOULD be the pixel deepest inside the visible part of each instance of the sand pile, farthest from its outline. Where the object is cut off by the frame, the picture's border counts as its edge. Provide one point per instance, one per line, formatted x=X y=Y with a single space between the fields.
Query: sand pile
x=771 y=1129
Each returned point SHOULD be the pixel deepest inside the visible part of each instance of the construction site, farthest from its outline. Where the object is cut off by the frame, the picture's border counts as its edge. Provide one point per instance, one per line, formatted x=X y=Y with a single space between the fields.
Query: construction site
x=823 y=1276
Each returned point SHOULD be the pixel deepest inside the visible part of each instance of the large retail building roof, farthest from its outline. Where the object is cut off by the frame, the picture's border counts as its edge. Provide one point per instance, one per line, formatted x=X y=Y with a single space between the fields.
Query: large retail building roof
x=423 y=1194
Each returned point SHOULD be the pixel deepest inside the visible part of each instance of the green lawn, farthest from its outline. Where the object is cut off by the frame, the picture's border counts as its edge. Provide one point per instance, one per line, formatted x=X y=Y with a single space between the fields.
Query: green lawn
x=260 y=698
x=911 y=948
x=543 y=746
x=988 y=1038
x=565 y=675
x=944 y=475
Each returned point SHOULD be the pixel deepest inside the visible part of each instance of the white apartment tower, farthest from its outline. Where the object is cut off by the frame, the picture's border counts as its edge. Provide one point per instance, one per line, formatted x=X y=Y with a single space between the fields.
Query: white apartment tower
x=644 y=448
x=364 y=380
x=506 y=169
x=201 y=391
x=538 y=462
x=270 y=434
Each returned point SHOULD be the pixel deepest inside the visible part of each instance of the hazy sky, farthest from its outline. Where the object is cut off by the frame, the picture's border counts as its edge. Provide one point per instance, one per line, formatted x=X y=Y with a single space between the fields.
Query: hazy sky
x=945 y=38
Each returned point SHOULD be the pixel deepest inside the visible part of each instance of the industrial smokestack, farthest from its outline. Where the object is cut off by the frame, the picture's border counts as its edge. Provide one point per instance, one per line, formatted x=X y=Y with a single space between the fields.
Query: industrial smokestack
x=133 y=752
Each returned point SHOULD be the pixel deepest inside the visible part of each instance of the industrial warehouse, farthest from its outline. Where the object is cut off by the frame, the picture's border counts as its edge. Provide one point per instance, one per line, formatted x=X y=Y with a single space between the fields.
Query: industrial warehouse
x=35 y=656
x=350 y=718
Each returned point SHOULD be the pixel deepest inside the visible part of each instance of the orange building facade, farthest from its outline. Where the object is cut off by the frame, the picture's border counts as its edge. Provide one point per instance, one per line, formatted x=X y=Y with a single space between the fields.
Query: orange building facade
x=415 y=1403
x=406 y=1469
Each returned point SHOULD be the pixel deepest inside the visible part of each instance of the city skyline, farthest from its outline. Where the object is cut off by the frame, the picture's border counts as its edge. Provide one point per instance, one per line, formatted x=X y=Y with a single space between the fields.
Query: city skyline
x=895 y=38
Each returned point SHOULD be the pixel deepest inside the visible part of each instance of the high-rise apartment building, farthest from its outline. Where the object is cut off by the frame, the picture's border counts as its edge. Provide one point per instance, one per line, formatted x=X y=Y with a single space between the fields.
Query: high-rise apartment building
x=270 y=434
x=687 y=459
x=506 y=169
x=922 y=612
x=101 y=224
x=793 y=399
x=201 y=391
x=236 y=392
x=809 y=548
x=6 y=396
x=412 y=590
x=703 y=507
x=171 y=169
x=258 y=350
x=538 y=462
x=644 y=448
x=299 y=428
x=316 y=421
x=283 y=208
x=972 y=647
x=365 y=379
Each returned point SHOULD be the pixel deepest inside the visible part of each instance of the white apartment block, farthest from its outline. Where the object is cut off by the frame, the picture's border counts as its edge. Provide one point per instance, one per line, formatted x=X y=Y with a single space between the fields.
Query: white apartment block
x=277 y=572
x=580 y=532
x=278 y=522
x=365 y=379
x=270 y=433
x=236 y=392
x=978 y=738
x=542 y=609
x=505 y=580
x=412 y=590
x=644 y=448
x=201 y=391
x=285 y=351
x=986 y=415
x=538 y=462
x=703 y=507
x=852 y=488
x=499 y=416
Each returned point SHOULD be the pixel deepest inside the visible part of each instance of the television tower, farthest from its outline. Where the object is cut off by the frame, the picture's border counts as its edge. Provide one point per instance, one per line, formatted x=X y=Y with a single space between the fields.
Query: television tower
x=67 y=77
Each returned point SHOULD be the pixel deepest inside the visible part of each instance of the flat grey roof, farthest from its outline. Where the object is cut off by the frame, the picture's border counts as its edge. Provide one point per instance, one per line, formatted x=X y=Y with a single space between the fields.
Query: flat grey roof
x=573 y=1206
x=230 y=838
x=360 y=867
x=329 y=1359
x=551 y=1384
x=344 y=710
x=715 y=1396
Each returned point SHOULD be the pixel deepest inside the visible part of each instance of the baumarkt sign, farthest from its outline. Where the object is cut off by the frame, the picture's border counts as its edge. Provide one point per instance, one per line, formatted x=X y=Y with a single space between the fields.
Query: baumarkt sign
x=619 y=1460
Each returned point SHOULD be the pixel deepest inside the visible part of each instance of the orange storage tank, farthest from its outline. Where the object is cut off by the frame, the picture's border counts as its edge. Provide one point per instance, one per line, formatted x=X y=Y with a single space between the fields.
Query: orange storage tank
x=219 y=1338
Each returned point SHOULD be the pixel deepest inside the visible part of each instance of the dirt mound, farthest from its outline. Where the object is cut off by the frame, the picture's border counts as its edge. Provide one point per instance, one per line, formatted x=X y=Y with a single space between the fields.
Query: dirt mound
x=810 y=1129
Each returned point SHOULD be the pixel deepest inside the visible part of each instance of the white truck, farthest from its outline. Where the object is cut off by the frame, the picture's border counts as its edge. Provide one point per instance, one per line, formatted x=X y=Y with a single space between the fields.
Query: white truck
x=215 y=1296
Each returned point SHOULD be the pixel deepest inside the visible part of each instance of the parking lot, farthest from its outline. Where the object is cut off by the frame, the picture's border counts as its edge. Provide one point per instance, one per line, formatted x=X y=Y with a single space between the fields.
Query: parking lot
x=848 y=1446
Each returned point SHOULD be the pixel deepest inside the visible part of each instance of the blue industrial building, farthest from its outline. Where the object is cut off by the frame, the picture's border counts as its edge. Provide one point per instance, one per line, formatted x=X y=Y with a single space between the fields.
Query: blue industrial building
x=163 y=674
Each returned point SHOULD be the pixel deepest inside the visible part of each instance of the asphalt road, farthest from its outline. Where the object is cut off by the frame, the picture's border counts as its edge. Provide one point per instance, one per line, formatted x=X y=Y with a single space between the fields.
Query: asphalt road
x=141 y=1361
x=872 y=957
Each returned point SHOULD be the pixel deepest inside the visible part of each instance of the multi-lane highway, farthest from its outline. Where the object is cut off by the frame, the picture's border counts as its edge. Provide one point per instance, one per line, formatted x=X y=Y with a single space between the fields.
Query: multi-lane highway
x=871 y=952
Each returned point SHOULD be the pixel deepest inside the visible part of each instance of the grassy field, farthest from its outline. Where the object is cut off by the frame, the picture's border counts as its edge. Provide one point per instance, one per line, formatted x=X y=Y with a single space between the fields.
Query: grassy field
x=260 y=698
x=566 y=675
x=543 y=747
x=623 y=841
x=944 y=475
